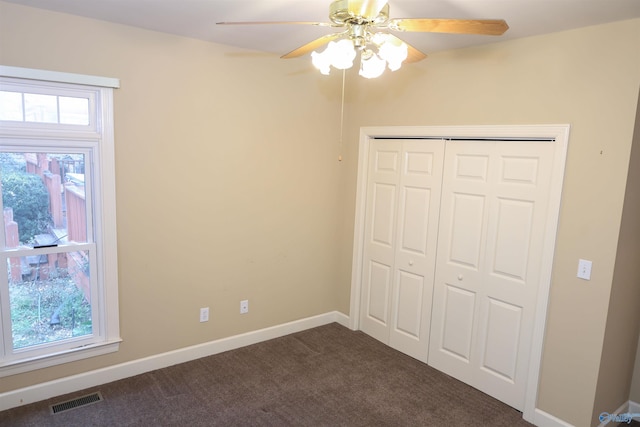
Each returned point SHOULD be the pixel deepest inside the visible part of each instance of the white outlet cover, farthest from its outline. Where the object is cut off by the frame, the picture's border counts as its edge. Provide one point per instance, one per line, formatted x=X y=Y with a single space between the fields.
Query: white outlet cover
x=584 y=269
x=244 y=306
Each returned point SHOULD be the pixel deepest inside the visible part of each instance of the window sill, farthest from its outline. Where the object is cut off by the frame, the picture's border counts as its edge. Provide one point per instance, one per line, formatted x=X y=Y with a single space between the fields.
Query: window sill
x=26 y=365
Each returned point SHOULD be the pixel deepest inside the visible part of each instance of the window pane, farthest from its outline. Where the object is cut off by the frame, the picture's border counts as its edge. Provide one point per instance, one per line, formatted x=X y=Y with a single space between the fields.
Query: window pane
x=11 y=106
x=43 y=195
x=40 y=108
x=74 y=111
x=49 y=298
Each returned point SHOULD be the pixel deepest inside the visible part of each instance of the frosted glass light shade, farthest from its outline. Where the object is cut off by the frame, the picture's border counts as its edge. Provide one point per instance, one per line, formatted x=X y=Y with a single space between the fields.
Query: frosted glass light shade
x=338 y=54
x=371 y=65
x=394 y=52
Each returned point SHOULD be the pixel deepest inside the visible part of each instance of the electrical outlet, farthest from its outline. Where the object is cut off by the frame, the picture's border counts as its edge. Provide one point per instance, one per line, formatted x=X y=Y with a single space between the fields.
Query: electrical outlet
x=204 y=314
x=244 y=306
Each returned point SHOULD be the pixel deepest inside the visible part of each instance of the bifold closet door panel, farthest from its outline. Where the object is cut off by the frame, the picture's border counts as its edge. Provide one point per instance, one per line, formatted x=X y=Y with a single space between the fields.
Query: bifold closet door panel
x=490 y=242
x=403 y=194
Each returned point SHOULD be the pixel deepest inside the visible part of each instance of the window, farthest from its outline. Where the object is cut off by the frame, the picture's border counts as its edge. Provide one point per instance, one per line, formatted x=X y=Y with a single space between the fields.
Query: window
x=58 y=283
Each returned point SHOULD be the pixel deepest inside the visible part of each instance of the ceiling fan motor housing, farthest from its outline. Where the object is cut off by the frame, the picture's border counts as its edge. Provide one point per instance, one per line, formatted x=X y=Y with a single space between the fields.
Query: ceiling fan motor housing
x=339 y=14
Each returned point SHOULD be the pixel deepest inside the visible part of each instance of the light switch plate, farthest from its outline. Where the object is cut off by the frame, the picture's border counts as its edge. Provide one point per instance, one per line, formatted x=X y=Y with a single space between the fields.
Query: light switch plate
x=204 y=314
x=584 y=269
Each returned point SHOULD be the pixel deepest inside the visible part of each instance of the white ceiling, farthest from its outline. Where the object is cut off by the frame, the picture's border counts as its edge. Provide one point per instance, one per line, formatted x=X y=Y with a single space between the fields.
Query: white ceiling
x=197 y=18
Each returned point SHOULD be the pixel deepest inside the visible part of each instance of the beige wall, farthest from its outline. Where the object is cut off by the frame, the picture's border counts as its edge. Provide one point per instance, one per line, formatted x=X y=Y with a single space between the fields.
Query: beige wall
x=623 y=320
x=588 y=78
x=227 y=180
x=228 y=185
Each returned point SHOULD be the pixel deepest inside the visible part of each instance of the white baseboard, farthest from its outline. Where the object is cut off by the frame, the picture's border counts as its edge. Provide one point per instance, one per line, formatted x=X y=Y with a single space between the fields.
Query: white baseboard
x=38 y=392
x=544 y=419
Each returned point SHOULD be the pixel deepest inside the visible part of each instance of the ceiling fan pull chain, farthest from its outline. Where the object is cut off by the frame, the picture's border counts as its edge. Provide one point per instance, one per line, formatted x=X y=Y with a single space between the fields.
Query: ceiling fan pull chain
x=340 y=144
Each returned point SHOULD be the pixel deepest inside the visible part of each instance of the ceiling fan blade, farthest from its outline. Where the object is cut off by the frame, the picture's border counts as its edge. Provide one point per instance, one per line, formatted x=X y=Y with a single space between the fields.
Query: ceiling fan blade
x=413 y=54
x=313 y=45
x=490 y=27
x=366 y=8
x=320 y=24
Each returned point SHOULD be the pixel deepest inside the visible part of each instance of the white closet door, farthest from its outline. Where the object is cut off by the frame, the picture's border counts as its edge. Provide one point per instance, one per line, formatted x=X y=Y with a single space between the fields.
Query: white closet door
x=403 y=196
x=491 y=232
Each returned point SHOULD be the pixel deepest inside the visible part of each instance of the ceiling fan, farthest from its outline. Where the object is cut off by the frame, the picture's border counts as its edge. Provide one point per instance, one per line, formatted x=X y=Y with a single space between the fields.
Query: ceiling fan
x=366 y=25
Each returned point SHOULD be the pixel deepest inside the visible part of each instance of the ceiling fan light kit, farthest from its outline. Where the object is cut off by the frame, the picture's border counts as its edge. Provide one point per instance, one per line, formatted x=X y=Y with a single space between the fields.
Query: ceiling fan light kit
x=341 y=54
x=367 y=24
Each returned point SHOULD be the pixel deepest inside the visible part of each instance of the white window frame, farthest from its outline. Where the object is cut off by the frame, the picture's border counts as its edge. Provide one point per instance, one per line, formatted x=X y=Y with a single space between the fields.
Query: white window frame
x=96 y=138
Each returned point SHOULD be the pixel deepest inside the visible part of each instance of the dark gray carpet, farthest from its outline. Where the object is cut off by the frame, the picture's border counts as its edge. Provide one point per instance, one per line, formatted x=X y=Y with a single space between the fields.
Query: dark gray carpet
x=326 y=376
